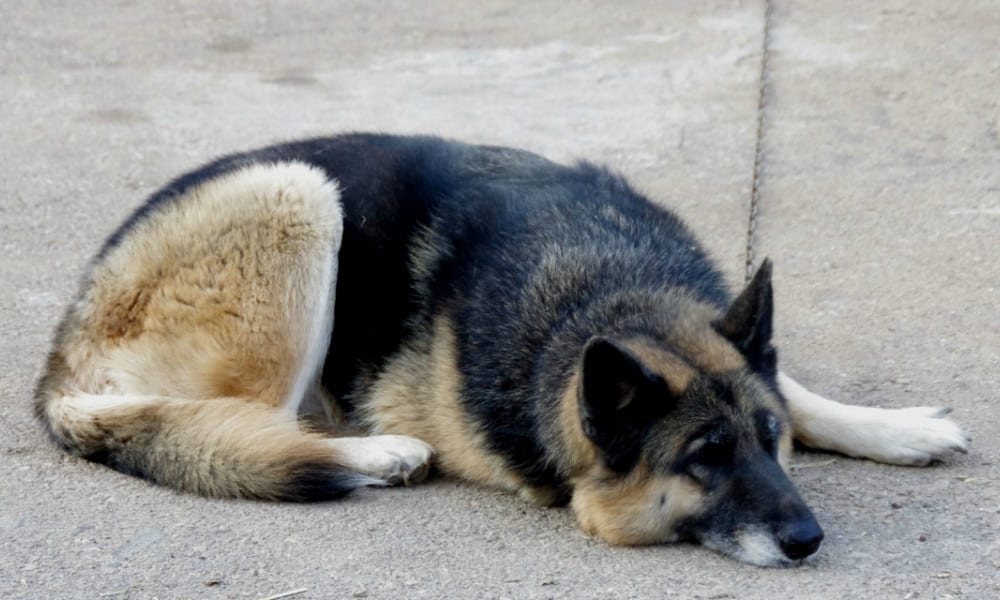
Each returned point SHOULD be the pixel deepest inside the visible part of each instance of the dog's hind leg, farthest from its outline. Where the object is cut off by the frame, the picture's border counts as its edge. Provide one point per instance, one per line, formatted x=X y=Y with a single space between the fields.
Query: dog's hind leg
x=197 y=335
x=902 y=436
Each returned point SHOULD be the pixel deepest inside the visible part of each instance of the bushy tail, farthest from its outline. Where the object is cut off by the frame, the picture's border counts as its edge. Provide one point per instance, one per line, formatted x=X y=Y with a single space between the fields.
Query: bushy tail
x=226 y=447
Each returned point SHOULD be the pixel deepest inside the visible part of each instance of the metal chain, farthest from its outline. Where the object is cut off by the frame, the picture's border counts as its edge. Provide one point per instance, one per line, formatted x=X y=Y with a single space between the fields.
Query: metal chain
x=758 y=149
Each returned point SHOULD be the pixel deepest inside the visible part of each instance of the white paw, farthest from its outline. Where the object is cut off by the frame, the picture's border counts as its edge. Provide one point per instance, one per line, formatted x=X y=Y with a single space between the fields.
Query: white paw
x=906 y=436
x=393 y=459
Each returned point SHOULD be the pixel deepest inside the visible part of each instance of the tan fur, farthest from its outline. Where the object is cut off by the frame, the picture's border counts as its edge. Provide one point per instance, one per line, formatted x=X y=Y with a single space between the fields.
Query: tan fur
x=257 y=448
x=417 y=394
x=578 y=453
x=189 y=335
x=212 y=294
x=677 y=373
x=705 y=349
x=785 y=443
x=641 y=508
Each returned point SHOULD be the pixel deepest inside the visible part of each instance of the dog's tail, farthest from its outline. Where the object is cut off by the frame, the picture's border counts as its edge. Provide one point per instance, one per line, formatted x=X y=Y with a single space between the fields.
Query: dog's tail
x=225 y=447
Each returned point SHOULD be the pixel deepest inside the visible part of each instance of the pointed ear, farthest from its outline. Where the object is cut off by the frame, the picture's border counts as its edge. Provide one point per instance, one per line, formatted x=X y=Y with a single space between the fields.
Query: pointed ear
x=619 y=398
x=749 y=320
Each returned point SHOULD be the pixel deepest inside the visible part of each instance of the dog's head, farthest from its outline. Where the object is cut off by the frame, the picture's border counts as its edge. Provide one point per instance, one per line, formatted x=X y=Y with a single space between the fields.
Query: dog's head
x=691 y=438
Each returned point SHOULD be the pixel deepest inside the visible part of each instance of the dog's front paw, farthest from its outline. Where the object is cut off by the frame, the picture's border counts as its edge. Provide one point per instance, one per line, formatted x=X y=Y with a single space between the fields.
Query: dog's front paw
x=909 y=436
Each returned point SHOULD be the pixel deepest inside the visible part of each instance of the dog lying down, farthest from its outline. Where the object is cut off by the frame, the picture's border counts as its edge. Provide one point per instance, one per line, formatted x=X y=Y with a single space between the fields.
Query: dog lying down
x=520 y=324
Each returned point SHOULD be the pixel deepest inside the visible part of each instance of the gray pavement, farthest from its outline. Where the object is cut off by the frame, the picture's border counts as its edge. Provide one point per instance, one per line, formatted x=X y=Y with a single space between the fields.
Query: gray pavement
x=880 y=206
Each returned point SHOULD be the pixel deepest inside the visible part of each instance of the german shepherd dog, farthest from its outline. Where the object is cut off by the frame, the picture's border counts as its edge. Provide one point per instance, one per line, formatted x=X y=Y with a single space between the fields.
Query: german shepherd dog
x=534 y=327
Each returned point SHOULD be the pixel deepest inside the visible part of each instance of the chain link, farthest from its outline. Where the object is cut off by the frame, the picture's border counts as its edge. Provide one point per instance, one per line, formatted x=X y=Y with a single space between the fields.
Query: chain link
x=762 y=92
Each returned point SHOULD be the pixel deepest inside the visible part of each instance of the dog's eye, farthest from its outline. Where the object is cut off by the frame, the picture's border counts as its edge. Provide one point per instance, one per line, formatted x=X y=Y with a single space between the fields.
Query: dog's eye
x=707 y=454
x=707 y=458
x=770 y=432
x=710 y=451
x=713 y=453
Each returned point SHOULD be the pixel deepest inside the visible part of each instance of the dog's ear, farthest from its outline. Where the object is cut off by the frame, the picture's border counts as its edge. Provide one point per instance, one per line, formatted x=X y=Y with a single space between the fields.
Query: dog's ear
x=748 y=322
x=619 y=398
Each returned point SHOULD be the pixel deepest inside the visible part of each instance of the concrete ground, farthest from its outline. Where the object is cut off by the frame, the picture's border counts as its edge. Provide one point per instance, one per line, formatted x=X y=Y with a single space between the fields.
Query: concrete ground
x=880 y=206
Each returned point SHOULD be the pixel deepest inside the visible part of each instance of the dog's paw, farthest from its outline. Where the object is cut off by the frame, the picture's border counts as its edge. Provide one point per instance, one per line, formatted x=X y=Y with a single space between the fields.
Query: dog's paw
x=908 y=436
x=392 y=459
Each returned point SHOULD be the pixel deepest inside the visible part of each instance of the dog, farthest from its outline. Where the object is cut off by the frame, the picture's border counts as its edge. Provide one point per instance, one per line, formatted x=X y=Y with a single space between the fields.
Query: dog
x=520 y=324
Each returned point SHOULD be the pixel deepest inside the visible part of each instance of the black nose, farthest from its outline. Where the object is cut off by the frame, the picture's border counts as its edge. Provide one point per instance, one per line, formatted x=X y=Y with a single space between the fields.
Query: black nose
x=799 y=539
